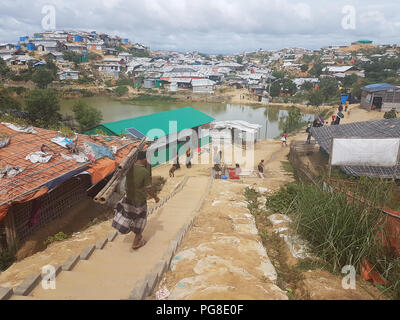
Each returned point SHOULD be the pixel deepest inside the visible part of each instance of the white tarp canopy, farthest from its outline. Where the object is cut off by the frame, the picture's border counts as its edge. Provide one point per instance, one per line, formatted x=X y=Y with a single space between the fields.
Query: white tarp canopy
x=222 y=129
x=365 y=152
x=237 y=124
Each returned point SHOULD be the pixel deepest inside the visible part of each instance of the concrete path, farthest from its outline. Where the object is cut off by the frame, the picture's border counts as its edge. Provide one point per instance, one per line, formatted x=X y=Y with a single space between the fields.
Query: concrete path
x=222 y=257
x=112 y=273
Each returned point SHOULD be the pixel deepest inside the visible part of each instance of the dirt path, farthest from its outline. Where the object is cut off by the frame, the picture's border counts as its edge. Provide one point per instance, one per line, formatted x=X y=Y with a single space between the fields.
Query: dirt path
x=222 y=257
x=219 y=259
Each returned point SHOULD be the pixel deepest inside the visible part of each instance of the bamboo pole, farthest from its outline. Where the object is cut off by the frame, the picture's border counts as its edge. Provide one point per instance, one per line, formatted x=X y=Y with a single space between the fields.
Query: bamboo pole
x=11 y=233
x=105 y=194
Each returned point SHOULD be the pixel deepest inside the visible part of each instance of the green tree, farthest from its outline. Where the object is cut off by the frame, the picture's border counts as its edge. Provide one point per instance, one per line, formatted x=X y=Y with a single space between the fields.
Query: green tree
x=292 y=121
x=278 y=74
x=72 y=56
x=272 y=114
x=316 y=70
x=121 y=49
x=329 y=88
x=308 y=59
x=140 y=54
x=44 y=104
x=316 y=98
x=42 y=78
x=356 y=90
x=7 y=101
x=121 y=90
x=3 y=68
x=392 y=114
x=94 y=56
x=275 y=89
x=304 y=67
x=220 y=57
x=239 y=59
x=52 y=67
x=288 y=86
x=87 y=116
x=307 y=86
x=348 y=81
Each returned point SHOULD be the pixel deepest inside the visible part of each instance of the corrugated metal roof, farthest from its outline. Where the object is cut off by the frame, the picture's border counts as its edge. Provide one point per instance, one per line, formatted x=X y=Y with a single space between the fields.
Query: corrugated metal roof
x=338 y=69
x=378 y=87
x=50 y=174
x=186 y=118
x=371 y=129
x=202 y=82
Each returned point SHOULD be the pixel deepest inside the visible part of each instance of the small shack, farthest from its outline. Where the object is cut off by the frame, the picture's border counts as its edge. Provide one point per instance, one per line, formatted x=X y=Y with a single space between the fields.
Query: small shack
x=180 y=83
x=41 y=179
x=389 y=128
x=149 y=83
x=68 y=74
x=203 y=86
x=381 y=96
x=244 y=130
x=185 y=118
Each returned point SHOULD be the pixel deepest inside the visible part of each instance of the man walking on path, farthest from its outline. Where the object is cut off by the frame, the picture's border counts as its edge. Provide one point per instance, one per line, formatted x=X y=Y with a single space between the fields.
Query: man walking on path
x=134 y=205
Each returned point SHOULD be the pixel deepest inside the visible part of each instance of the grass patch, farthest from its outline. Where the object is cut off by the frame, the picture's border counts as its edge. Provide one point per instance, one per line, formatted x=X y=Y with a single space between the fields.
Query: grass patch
x=56 y=238
x=252 y=200
x=326 y=113
x=288 y=277
x=284 y=201
x=339 y=231
x=305 y=265
x=287 y=166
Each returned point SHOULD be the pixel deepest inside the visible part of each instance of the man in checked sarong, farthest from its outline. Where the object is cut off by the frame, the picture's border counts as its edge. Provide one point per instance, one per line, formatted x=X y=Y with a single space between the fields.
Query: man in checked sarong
x=138 y=185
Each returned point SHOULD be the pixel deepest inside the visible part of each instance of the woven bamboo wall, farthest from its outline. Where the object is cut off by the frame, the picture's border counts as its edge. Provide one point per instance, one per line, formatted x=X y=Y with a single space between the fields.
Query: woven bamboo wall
x=52 y=206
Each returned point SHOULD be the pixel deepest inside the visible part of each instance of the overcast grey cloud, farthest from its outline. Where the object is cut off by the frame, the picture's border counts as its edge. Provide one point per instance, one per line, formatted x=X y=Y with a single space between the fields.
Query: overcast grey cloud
x=219 y=26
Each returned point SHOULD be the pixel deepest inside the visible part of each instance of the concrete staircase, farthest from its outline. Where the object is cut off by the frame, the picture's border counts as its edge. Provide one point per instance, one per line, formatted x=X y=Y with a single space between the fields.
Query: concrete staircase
x=111 y=269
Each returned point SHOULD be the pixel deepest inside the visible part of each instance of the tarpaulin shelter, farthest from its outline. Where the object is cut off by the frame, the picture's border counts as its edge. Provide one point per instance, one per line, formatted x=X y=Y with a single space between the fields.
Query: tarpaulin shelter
x=185 y=118
x=389 y=128
x=33 y=194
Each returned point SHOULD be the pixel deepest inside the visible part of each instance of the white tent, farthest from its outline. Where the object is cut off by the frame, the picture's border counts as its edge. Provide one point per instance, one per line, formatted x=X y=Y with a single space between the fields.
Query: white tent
x=245 y=129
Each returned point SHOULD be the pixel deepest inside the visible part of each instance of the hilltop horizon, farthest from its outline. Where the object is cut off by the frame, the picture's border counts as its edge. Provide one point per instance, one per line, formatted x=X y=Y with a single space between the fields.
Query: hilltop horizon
x=219 y=27
x=251 y=50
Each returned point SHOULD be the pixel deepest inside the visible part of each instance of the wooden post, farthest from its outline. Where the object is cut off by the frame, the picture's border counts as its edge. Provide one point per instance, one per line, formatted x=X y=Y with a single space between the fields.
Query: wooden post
x=11 y=233
x=104 y=195
x=396 y=167
x=330 y=159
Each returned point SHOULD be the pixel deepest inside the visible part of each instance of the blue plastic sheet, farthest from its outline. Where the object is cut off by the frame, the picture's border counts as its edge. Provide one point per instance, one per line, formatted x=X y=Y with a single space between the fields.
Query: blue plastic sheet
x=100 y=151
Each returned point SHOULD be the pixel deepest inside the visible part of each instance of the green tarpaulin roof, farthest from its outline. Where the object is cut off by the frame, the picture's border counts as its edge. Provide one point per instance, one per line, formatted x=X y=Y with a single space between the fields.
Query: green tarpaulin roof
x=186 y=118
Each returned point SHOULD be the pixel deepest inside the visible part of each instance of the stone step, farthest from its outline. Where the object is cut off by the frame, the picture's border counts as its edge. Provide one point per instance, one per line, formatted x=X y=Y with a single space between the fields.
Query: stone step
x=112 y=273
x=121 y=255
x=73 y=285
x=22 y=298
x=108 y=268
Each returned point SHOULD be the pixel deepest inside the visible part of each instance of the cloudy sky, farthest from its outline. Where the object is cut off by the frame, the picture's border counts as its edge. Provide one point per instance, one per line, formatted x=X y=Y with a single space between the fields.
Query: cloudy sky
x=214 y=26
